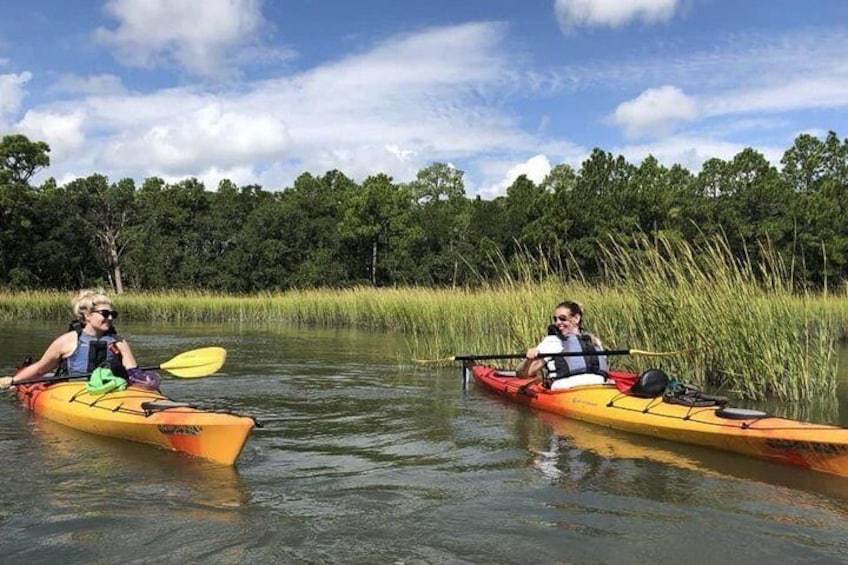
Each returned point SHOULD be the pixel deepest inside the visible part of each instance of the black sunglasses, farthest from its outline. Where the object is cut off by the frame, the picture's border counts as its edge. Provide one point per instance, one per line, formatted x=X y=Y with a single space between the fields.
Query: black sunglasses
x=107 y=314
x=560 y=318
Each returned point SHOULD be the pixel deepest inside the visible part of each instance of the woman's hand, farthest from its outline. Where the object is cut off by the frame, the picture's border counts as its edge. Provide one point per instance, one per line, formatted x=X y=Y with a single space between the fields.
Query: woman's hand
x=532 y=353
x=5 y=382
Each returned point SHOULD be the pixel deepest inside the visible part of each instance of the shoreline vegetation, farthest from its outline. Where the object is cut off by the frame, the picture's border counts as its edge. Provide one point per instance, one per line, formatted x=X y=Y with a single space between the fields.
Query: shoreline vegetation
x=752 y=333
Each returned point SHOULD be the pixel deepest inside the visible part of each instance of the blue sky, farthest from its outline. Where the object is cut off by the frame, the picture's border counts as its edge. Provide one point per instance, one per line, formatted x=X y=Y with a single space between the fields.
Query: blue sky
x=262 y=91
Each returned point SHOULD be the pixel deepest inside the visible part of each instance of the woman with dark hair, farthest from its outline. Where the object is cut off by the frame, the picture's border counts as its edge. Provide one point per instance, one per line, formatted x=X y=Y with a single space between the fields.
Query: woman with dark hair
x=566 y=335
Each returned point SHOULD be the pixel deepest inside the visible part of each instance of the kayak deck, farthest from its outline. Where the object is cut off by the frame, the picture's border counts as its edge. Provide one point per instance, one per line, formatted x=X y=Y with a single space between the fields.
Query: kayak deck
x=143 y=416
x=820 y=447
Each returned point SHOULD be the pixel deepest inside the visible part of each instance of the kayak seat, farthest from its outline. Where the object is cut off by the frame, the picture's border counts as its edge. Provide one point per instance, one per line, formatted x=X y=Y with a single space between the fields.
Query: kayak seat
x=688 y=395
x=650 y=384
x=153 y=406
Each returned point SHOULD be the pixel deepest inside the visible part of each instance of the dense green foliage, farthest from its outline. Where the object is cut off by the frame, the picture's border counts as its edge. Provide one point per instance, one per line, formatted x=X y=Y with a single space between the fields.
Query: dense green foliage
x=331 y=231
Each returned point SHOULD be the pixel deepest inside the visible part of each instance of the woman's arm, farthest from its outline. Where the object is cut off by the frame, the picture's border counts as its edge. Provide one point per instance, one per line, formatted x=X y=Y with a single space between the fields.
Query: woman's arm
x=127 y=356
x=61 y=346
x=531 y=364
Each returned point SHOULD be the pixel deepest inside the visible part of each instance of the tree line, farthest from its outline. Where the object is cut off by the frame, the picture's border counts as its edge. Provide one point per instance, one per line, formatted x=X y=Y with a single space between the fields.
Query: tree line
x=330 y=231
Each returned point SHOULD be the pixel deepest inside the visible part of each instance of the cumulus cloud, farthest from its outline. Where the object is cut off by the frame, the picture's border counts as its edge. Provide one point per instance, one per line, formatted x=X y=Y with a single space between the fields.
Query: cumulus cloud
x=535 y=168
x=12 y=92
x=498 y=173
x=216 y=132
x=655 y=112
x=197 y=35
x=63 y=131
x=572 y=14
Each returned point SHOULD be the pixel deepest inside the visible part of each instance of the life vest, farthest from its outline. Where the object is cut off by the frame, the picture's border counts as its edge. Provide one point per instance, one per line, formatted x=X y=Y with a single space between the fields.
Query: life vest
x=93 y=352
x=564 y=367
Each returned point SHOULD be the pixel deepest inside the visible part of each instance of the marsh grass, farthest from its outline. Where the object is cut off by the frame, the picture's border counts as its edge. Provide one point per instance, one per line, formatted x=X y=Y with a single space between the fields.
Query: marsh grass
x=752 y=333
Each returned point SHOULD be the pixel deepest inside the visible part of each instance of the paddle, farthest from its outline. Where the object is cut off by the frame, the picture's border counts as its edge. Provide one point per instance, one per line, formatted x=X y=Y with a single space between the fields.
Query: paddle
x=187 y=365
x=470 y=357
x=195 y=363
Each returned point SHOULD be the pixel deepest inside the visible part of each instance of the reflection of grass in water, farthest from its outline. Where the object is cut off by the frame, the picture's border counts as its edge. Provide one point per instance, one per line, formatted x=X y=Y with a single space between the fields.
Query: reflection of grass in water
x=753 y=333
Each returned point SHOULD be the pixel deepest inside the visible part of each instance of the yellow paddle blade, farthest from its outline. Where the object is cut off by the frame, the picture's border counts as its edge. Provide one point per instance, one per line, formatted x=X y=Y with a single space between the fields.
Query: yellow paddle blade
x=196 y=363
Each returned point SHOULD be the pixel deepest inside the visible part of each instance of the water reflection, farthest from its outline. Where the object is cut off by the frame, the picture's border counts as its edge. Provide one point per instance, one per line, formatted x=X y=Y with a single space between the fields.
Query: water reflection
x=96 y=466
x=593 y=447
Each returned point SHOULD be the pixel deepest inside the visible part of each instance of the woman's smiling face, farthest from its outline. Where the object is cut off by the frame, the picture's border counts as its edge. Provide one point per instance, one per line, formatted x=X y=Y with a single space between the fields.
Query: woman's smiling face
x=565 y=321
x=101 y=316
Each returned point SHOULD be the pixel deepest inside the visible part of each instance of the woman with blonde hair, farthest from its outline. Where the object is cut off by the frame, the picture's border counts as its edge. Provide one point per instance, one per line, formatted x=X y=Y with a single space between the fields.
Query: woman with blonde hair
x=90 y=343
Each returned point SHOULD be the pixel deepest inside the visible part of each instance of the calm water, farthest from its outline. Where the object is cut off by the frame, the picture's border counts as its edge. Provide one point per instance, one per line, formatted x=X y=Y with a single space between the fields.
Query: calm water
x=362 y=460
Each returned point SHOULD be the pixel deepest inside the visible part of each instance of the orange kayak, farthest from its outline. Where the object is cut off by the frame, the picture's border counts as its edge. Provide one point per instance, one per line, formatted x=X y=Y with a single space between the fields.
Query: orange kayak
x=820 y=447
x=141 y=415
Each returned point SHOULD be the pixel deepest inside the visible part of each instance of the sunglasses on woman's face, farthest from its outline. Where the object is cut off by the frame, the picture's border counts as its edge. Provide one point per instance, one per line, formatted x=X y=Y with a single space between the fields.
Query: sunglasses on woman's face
x=107 y=314
x=556 y=319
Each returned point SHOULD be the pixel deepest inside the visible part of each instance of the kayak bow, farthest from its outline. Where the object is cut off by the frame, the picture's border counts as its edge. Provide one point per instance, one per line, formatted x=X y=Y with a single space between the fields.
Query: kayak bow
x=820 y=447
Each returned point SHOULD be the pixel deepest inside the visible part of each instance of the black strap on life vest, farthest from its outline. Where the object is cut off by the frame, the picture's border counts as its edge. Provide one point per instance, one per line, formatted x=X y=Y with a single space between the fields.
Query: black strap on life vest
x=593 y=364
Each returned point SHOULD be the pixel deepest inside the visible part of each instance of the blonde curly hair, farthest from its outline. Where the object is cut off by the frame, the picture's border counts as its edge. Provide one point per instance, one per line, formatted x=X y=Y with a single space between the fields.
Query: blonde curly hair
x=86 y=301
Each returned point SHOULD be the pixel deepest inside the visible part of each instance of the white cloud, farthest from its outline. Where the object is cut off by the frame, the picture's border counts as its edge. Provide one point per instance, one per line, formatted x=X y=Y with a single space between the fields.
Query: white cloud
x=401 y=154
x=804 y=69
x=197 y=35
x=572 y=14
x=798 y=93
x=92 y=84
x=692 y=151
x=655 y=112
x=200 y=133
x=536 y=168
x=63 y=132
x=12 y=92
x=499 y=173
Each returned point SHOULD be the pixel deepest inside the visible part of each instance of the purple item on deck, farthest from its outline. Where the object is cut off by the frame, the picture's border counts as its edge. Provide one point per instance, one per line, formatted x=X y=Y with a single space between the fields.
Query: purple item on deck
x=148 y=379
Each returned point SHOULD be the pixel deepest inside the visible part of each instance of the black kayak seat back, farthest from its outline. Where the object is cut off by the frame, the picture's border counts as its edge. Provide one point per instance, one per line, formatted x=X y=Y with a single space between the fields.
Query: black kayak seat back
x=650 y=384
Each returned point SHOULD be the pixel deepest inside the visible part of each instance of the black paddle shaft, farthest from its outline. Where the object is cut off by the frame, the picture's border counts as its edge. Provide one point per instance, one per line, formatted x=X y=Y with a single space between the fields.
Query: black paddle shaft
x=524 y=355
